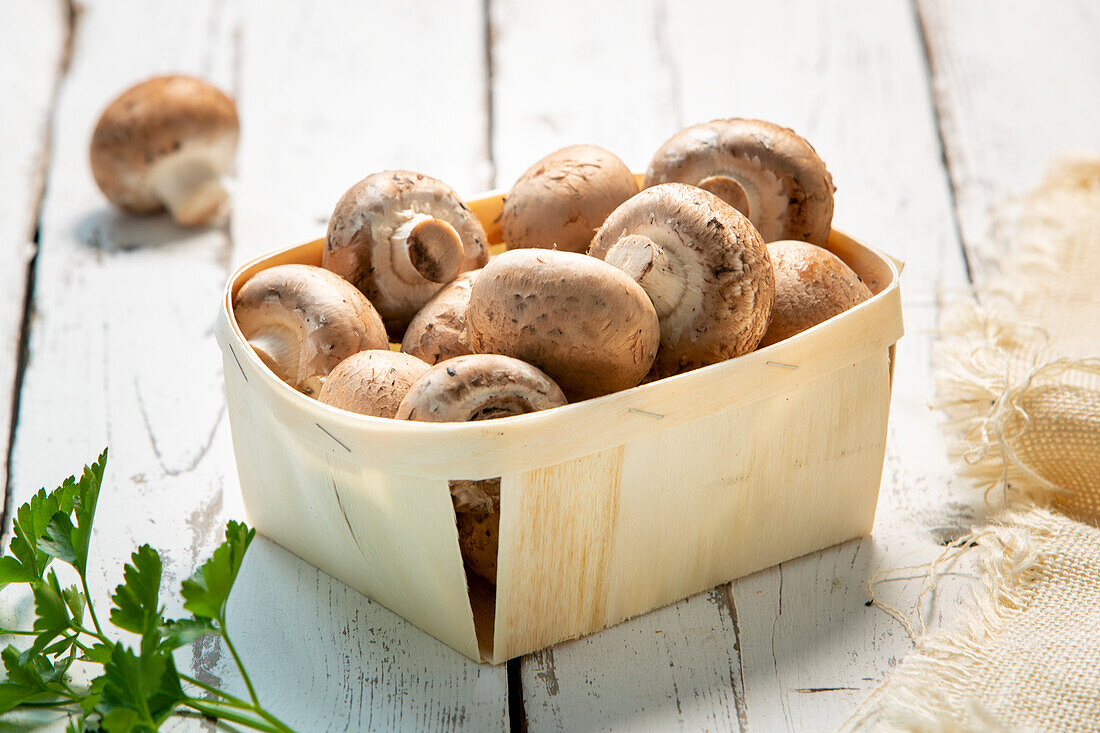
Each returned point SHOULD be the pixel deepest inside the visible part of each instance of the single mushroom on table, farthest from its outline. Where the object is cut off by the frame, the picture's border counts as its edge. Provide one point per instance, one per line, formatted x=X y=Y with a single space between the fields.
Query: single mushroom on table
x=585 y=323
x=166 y=143
x=811 y=286
x=400 y=237
x=765 y=171
x=372 y=382
x=438 y=331
x=560 y=201
x=703 y=265
x=479 y=387
x=302 y=321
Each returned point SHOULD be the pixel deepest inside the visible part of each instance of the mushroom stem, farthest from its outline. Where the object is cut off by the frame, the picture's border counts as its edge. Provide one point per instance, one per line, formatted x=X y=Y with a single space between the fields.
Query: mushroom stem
x=729 y=190
x=188 y=186
x=426 y=248
x=650 y=266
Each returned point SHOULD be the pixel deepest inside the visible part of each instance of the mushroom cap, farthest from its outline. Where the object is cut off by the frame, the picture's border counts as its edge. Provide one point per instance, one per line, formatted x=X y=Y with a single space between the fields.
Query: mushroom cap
x=582 y=321
x=360 y=248
x=438 y=331
x=728 y=283
x=560 y=201
x=302 y=321
x=372 y=382
x=787 y=188
x=811 y=286
x=479 y=387
x=478 y=538
x=477 y=512
x=167 y=116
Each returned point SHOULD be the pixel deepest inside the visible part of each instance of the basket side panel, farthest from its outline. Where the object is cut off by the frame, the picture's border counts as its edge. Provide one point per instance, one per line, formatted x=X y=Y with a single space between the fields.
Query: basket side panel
x=591 y=542
x=390 y=537
x=781 y=478
x=554 y=551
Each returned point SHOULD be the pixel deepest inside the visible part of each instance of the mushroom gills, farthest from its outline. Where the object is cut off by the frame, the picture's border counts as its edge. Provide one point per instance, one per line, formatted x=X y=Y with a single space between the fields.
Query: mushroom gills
x=188 y=184
x=501 y=405
x=674 y=282
x=755 y=191
x=426 y=249
x=277 y=346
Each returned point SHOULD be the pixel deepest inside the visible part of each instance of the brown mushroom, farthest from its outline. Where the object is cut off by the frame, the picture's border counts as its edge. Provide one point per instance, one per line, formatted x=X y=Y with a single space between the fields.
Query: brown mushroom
x=560 y=201
x=479 y=529
x=765 y=171
x=372 y=382
x=811 y=286
x=302 y=321
x=479 y=387
x=704 y=266
x=399 y=237
x=166 y=143
x=438 y=330
x=582 y=321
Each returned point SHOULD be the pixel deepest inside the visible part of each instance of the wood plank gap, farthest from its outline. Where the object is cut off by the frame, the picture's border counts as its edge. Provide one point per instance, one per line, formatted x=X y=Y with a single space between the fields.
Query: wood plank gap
x=517 y=711
x=488 y=41
x=70 y=12
x=723 y=595
x=929 y=75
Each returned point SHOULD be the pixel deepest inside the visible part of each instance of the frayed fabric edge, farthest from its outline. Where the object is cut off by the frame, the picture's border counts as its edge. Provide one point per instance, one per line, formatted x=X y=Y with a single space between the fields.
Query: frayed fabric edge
x=1016 y=554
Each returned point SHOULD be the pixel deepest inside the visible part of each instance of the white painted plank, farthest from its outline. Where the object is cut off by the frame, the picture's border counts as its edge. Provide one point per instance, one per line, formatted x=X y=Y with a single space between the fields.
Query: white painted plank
x=122 y=349
x=579 y=72
x=1017 y=84
x=370 y=86
x=32 y=42
x=855 y=90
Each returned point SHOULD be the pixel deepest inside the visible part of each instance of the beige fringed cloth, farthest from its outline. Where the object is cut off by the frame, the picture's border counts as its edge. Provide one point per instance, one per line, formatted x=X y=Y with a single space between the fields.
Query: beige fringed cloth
x=1018 y=377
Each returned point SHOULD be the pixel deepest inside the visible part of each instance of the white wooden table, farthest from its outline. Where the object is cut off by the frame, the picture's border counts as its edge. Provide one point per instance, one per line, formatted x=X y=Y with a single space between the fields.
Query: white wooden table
x=928 y=115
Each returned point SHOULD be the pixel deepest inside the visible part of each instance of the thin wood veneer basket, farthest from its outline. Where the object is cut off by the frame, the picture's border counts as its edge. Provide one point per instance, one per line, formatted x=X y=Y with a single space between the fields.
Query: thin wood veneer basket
x=609 y=507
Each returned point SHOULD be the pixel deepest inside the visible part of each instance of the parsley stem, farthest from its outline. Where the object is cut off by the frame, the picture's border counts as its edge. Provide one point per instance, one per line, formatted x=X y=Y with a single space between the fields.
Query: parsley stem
x=240 y=666
x=91 y=608
x=17 y=632
x=207 y=707
x=238 y=702
x=48 y=705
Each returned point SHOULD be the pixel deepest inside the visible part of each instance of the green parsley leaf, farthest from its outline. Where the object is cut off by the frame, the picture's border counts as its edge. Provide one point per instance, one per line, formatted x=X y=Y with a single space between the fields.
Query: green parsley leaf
x=180 y=632
x=28 y=560
x=122 y=720
x=13 y=694
x=84 y=504
x=31 y=669
x=206 y=593
x=99 y=653
x=57 y=541
x=76 y=602
x=148 y=684
x=50 y=609
x=137 y=599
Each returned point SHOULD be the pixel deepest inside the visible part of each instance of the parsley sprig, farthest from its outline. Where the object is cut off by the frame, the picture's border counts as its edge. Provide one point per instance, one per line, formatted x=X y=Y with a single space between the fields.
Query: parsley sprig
x=138 y=687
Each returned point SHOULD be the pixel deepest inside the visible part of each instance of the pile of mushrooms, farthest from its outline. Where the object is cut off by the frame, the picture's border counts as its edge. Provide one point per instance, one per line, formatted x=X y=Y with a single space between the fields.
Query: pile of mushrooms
x=604 y=286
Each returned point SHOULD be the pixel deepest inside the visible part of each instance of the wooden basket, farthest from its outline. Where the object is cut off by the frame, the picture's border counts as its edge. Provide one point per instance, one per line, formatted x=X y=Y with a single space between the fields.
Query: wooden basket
x=609 y=507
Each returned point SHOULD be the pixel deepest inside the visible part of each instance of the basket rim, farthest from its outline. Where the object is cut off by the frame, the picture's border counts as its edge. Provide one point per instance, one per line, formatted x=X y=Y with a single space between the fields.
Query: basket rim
x=840 y=341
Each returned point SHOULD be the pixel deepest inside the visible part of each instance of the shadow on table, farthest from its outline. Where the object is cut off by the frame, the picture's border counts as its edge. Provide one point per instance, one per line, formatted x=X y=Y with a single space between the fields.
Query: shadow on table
x=793 y=647
x=111 y=231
